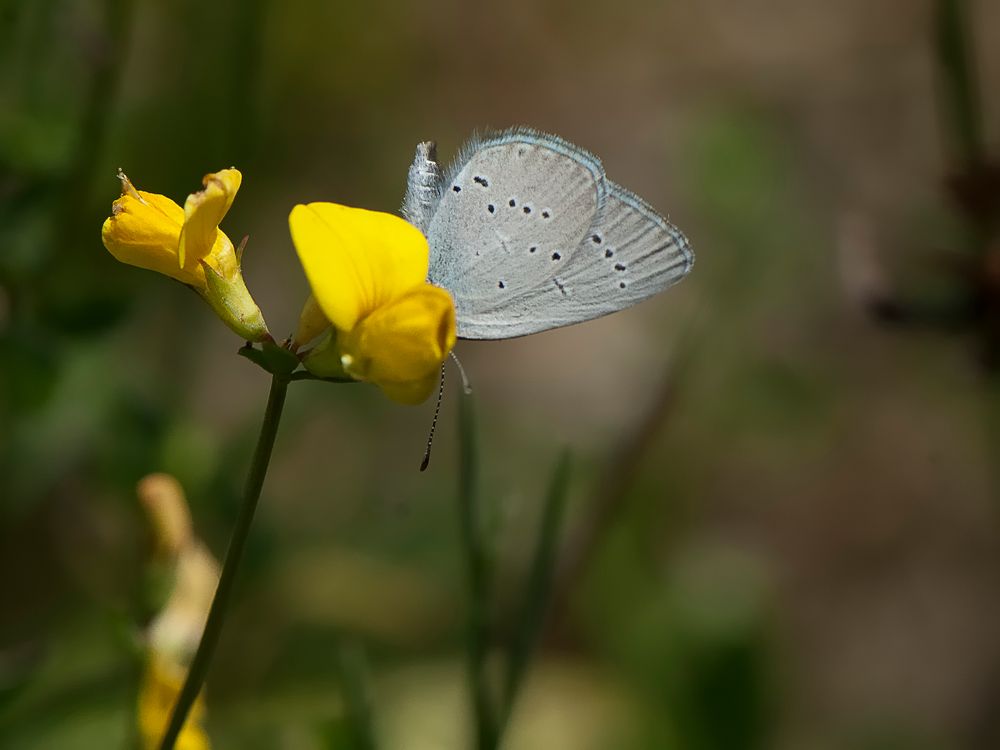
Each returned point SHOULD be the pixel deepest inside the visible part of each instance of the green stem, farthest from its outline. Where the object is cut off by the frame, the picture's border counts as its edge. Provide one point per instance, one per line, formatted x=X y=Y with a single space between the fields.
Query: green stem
x=478 y=570
x=956 y=60
x=223 y=594
x=537 y=595
x=357 y=695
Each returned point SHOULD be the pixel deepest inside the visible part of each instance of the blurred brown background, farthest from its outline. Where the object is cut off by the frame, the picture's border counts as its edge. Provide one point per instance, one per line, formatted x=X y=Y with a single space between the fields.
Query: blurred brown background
x=803 y=553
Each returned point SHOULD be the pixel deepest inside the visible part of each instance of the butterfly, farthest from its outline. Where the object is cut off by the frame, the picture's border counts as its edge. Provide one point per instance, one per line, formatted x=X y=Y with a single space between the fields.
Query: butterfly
x=528 y=234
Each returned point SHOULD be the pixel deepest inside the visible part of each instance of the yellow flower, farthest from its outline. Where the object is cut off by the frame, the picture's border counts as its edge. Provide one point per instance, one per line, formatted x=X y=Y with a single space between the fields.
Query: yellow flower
x=151 y=231
x=161 y=685
x=163 y=499
x=368 y=274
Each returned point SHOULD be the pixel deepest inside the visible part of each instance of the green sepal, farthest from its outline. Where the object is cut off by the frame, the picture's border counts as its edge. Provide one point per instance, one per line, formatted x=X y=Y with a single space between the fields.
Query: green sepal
x=323 y=360
x=232 y=302
x=306 y=375
x=275 y=359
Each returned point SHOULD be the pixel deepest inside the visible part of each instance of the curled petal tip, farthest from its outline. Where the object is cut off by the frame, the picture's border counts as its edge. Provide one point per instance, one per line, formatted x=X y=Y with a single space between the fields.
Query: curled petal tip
x=127 y=187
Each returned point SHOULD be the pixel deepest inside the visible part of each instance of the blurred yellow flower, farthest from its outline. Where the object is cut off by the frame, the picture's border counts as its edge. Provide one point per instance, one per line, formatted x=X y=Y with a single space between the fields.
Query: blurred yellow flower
x=151 y=231
x=161 y=685
x=368 y=274
x=174 y=632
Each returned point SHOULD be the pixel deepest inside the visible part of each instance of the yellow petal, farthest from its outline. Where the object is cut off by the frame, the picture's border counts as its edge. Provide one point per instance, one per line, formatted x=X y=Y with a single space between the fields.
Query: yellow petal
x=163 y=498
x=162 y=204
x=312 y=322
x=203 y=212
x=356 y=260
x=143 y=230
x=413 y=392
x=401 y=345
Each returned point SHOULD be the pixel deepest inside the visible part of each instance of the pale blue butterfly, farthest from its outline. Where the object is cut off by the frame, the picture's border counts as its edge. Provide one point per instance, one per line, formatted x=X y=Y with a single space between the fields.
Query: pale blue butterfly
x=528 y=234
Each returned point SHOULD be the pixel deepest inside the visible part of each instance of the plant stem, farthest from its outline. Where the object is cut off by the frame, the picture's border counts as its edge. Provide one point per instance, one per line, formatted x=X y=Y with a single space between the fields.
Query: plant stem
x=535 y=604
x=357 y=694
x=477 y=565
x=223 y=594
x=956 y=60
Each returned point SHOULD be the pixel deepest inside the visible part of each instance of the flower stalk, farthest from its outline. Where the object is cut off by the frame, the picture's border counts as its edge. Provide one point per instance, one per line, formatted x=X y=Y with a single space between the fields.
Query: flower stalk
x=479 y=574
x=223 y=594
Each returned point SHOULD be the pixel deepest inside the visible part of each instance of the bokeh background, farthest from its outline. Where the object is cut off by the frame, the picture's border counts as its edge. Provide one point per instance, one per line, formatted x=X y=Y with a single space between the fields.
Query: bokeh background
x=782 y=530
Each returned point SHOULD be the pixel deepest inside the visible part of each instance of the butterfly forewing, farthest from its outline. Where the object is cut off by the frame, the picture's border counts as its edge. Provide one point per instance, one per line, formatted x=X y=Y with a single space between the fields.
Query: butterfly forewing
x=512 y=213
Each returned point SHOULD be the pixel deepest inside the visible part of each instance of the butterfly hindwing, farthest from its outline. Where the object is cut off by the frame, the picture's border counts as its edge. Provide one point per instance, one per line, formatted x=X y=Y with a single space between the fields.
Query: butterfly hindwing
x=628 y=255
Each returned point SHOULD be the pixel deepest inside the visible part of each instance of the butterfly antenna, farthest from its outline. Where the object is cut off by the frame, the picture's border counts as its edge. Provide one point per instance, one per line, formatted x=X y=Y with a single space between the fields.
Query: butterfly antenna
x=430 y=436
x=466 y=387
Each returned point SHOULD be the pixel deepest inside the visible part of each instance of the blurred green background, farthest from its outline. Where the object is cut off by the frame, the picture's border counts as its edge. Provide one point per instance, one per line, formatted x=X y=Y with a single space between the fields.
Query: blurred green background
x=782 y=530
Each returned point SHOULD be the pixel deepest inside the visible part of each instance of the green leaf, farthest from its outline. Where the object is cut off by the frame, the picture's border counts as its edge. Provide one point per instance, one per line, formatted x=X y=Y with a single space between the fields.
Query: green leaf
x=534 y=606
x=478 y=570
x=955 y=56
x=356 y=731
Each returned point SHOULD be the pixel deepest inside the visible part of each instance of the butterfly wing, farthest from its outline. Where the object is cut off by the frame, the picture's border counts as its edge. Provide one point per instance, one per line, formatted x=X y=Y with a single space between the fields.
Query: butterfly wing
x=528 y=234
x=510 y=215
x=628 y=255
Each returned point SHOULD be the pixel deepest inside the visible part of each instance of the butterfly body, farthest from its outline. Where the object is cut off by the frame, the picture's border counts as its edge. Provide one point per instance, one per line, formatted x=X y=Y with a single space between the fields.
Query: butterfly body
x=527 y=233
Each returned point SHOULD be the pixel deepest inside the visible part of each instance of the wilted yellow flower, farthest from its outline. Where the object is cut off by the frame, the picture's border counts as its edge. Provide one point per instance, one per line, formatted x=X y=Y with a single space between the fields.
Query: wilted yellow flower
x=174 y=632
x=161 y=685
x=163 y=498
x=368 y=273
x=151 y=231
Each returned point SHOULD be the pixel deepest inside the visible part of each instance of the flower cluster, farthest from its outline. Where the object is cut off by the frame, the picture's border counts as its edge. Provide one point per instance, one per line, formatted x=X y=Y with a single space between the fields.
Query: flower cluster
x=384 y=323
